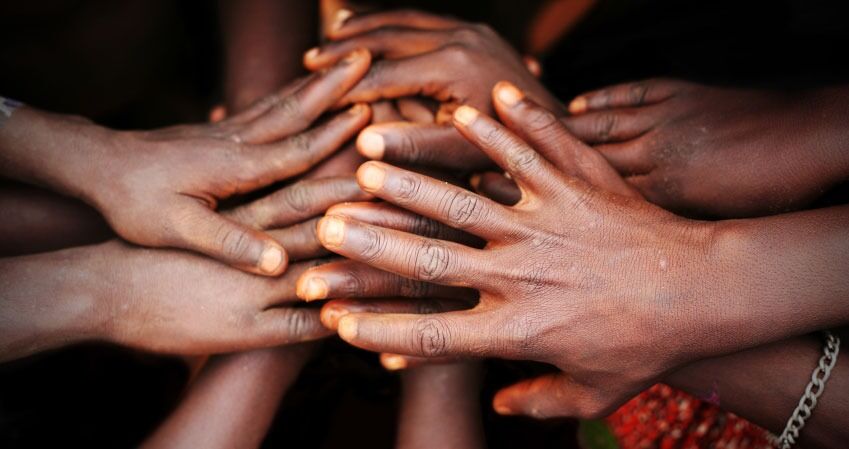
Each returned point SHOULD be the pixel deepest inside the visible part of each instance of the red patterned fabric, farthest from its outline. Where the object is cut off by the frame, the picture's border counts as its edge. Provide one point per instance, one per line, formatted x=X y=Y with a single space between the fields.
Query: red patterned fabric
x=664 y=418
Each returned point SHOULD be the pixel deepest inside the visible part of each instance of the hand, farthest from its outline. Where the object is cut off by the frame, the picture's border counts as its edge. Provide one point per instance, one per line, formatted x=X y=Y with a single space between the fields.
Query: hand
x=717 y=151
x=166 y=300
x=161 y=188
x=590 y=281
x=444 y=59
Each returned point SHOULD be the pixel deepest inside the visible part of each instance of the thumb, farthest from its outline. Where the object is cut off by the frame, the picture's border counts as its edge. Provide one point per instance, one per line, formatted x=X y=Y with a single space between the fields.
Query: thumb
x=549 y=396
x=247 y=249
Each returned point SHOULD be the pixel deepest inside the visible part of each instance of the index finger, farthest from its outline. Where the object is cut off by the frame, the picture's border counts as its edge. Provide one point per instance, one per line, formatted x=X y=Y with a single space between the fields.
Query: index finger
x=287 y=114
x=353 y=25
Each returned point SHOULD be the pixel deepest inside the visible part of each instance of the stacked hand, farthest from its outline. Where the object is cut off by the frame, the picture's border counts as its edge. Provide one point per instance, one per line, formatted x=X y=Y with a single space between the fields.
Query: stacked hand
x=561 y=278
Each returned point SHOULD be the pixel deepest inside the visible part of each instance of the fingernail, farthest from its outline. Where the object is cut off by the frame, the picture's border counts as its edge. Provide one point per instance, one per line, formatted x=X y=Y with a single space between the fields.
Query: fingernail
x=270 y=259
x=502 y=409
x=312 y=53
x=347 y=328
x=475 y=180
x=330 y=316
x=358 y=109
x=313 y=288
x=393 y=362
x=331 y=230
x=508 y=93
x=340 y=18
x=578 y=105
x=371 y=176
x=353 y=56
x=371 y=144
x=465 y=115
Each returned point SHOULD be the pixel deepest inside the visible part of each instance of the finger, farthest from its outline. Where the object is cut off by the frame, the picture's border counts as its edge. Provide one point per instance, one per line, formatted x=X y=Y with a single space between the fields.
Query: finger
x=385 y=111
x=297 y=154
x=549 y=396
x=298 y=202
x=300 y=240
x=207 y=232
x=450 y=334
x=633 y=94
x=287 y=325
x=548 y=135
x=443 y=202
x=398 y=362
x=421 y=144
x=335 y=309
x=628 y=159
x=533 y=65
x=349 y=279
x=289 y=114
x=419 y=75
x=417 y=110
x=386 y=215
x=496 y=187
x=618 y=125
x=512 y=154
x=405 y=254
x=347 y=26
x=389 y=43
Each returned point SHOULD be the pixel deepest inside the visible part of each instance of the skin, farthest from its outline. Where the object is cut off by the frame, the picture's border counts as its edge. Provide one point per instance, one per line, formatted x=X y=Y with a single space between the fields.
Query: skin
x=717 y=151
x=161 y=188
x=431 y=56
x=233 y=400
x=655 y=293
x=263 y=44
x=440 y=407
x=36 y=220
x=170 y=301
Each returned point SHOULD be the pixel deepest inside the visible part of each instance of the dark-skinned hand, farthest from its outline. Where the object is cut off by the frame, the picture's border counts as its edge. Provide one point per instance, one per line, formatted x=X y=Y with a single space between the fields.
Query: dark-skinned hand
x=431 y=56
x=172 y=301
x=717 y=151
x=564 y=278
x=161 y=188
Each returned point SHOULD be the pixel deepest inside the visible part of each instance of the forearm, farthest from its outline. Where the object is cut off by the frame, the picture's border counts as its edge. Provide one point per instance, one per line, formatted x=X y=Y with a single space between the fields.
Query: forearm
x=36 y=220
x=52 y=150
x=770 y=278
x=440 y=407
x=264 y=44
x=233 y=401
x=764 y=385
x=48 y=301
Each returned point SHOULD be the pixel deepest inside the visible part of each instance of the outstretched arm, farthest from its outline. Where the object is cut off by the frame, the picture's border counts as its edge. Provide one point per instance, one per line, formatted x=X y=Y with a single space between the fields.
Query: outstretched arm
x=233 y=400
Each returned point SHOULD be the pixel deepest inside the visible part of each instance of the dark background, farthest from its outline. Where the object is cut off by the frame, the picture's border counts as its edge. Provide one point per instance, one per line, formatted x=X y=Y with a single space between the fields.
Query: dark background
x=146 y=63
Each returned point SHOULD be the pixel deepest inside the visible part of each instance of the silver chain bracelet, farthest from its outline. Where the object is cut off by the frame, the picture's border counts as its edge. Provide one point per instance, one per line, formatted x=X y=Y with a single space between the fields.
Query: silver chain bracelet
x=813 y=392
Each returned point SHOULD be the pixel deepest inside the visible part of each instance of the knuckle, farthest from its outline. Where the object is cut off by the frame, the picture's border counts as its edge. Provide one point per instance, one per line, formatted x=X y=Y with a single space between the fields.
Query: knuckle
x=234 y=243
x=431 y=336
x=521 y=158
x=410 y=288
x=521 y=336
x=290 y=108
x=298 y=197
x=408 y=189
x=353 y=284
x=297 y=323
x=301 y=145
x=424 y=226
x=464 y=210
x=431 y=261
x=637 y=93
x=541 y=120
x=605 y=126
x=374 y=245
x=411 y=150
x=428 y=307
x=468 y=35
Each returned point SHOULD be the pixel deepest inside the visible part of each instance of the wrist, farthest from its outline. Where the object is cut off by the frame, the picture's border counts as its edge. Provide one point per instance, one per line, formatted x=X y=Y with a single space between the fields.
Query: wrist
x=54 y=300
